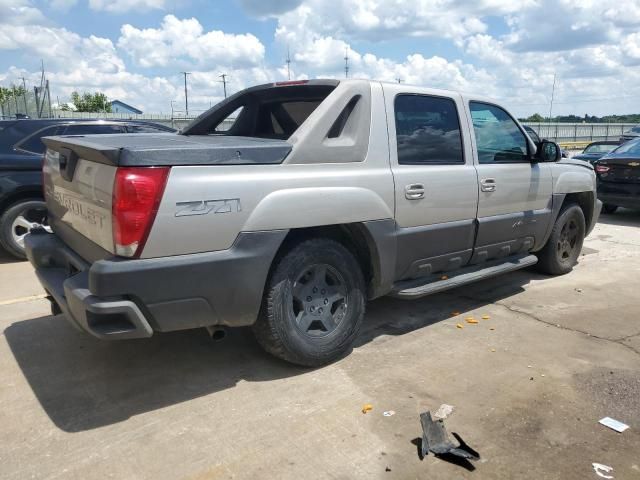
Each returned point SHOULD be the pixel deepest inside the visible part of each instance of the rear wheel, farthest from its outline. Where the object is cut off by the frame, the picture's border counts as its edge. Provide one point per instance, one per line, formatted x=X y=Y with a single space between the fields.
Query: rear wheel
x=608 y=208
x=17 y=221
x=561 y=252
x=313 y=304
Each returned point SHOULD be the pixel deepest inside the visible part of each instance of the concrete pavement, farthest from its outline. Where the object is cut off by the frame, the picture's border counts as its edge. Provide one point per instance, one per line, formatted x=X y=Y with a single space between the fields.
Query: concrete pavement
x=529 y=386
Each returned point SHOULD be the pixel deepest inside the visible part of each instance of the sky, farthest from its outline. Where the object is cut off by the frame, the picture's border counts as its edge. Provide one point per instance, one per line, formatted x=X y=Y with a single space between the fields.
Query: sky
x=134 y=50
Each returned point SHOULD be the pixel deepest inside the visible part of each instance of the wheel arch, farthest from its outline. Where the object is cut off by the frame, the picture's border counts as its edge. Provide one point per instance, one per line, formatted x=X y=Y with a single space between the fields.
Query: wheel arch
x=19 y=195
x=586 y=202
x=371 y=243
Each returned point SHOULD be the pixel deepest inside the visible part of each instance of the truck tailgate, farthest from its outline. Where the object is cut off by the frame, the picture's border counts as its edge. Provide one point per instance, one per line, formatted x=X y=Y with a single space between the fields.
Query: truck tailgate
x=79 y=174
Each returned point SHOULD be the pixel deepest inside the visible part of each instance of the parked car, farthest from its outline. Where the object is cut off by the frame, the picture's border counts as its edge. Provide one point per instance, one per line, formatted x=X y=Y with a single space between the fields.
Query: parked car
x=321 y=195
x=618 y=177
x=536 y=139
x=21 y=155
x=596 y=150
x=630 y=134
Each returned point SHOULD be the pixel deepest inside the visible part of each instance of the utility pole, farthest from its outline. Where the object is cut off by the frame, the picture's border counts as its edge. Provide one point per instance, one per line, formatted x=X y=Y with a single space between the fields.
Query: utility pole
x=553 y=91
x=24 y=94
x=186 y=95
x=224 y=83
x=288 y=64
x=346 y=62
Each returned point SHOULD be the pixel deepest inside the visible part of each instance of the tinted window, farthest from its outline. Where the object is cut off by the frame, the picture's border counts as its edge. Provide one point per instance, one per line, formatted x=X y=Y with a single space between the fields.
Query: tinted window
x=230 y=120
x=532 y=134
x=599 y=148
x=91 y=129
x=498 y=138
x=34 y=143
x=631 y=148
x=427 y=130
x=145 y=129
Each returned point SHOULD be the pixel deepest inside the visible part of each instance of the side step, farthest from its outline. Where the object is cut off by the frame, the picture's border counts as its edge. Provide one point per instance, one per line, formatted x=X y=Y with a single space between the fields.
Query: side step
x=421 y=287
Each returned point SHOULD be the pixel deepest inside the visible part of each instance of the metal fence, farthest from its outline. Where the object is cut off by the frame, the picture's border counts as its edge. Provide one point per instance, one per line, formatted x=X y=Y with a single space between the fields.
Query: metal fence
x=27 y=104
x=579 y=132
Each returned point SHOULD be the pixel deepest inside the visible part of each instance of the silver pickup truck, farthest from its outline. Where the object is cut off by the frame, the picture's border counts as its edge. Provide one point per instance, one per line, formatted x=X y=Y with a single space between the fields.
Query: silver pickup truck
x=289 y=205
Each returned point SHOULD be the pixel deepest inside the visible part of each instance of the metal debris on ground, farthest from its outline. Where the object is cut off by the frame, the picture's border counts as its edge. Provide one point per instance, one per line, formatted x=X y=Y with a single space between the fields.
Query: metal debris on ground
x=493 y=349
x=601 y=470
x=614 y=424
x=459 y=325
x=367 y=407
x=579 y=290
x=389 y=413
x=471 y=320
x=436 y=440
x=444 y=277
x=444 y=411
x=486 y=317
x=455 y=314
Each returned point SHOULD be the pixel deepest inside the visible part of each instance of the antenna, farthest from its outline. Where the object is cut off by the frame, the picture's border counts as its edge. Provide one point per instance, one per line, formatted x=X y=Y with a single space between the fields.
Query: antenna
x=553 y=91
x=186 y=96
x=346 y=62
x=288 y=64
x=224 y=83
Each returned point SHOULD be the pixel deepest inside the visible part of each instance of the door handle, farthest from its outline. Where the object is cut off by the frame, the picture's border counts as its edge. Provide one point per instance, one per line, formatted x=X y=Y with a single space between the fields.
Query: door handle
x=488 y=185
x=415 y=191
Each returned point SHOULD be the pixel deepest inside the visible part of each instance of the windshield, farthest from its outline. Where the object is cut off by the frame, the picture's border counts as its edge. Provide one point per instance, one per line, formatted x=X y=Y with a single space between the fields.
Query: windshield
x=600 y=148
x=631 y=148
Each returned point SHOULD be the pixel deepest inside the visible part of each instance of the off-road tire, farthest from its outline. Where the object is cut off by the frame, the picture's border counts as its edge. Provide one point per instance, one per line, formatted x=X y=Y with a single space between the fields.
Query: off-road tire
x=278 y=330
x=554 y=258
x=7 y=240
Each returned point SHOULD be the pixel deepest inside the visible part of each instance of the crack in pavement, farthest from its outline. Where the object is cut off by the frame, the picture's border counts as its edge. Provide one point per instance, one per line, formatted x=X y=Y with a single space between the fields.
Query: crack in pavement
x=557 y=325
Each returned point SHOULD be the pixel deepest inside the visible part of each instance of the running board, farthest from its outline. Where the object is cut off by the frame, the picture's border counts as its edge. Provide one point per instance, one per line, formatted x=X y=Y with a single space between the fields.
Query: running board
x=421 y=287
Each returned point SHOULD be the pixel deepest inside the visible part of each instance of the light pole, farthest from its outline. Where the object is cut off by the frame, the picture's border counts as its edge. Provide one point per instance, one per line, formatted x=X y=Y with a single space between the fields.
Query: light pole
x=186 y=97
x=224 y=83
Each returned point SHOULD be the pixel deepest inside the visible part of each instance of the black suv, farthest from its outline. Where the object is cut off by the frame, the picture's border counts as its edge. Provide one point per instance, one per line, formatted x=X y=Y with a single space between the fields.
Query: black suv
x=21 y=152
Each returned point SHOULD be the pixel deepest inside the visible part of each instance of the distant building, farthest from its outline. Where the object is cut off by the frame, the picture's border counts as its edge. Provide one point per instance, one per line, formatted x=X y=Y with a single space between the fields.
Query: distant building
x=120 y=107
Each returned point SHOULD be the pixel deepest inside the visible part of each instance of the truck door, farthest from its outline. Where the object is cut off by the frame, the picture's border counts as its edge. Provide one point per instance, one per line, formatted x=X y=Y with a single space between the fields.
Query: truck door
x=436 y=189
x=514 y=204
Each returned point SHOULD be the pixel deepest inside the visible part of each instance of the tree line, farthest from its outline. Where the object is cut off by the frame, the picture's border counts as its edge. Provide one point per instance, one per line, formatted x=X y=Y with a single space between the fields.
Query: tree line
x=85 y=102
x=630 y=118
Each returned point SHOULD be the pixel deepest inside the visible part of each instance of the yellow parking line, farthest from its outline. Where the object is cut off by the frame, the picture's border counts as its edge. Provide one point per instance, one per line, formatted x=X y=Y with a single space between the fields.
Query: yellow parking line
x=22 y=299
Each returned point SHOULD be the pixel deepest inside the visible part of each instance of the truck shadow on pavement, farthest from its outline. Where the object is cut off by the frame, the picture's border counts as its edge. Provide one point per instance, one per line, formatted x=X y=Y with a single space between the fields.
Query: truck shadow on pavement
x=623 y=218
x=83 y=383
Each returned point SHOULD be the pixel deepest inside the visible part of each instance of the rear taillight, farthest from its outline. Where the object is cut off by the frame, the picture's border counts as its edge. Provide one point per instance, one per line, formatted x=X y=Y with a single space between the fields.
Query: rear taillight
x=136 y=196
x=602 y=168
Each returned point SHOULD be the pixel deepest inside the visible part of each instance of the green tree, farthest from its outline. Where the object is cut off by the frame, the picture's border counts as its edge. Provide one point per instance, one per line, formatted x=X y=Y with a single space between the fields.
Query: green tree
x=91 y=102
x=536 y=117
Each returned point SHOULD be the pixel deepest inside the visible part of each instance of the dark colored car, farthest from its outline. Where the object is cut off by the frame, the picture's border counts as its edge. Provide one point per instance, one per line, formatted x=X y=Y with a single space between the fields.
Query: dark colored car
x=21 y=153
x=618 y=177
x=631 y=134
x=596 y=150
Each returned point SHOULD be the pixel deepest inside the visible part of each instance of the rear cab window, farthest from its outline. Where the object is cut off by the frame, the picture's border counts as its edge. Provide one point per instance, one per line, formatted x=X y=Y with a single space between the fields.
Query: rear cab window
x=270 y=111
x=498 y=137
x=427 y=130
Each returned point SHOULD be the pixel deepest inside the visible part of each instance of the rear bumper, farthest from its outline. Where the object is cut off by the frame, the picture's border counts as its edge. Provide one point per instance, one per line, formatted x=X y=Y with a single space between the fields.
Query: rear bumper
x=121 y=299
x=620 y=194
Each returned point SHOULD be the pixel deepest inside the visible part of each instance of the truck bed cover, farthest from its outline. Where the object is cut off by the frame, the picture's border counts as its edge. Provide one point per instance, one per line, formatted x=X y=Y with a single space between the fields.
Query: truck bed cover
x=168 y=149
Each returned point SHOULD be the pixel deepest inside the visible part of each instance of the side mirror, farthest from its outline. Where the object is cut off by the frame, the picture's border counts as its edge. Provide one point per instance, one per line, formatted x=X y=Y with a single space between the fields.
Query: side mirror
x=548 y=152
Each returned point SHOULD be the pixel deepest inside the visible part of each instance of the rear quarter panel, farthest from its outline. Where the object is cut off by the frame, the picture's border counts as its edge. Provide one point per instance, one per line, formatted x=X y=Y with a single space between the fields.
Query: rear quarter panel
x=222 y=201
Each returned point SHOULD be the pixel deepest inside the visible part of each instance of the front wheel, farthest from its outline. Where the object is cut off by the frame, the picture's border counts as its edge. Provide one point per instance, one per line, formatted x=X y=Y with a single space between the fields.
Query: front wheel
x=17 y=221
x=313 y=304
x=561 y=252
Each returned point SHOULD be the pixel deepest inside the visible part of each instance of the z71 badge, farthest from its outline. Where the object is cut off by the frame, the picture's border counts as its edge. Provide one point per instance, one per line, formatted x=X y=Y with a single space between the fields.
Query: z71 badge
x=202 y=207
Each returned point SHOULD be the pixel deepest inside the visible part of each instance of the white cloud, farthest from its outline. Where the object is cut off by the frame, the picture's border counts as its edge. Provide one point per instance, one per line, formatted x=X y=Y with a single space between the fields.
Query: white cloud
x=185 y=42
x=122 y=6
x=20 y=12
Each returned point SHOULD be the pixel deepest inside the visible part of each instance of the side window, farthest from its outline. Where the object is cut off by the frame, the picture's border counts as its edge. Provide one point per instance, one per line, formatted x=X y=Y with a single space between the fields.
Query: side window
x=34 y=143
x=92 y=129
x=498 y=138
x=427 y=130
x=145 y=129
